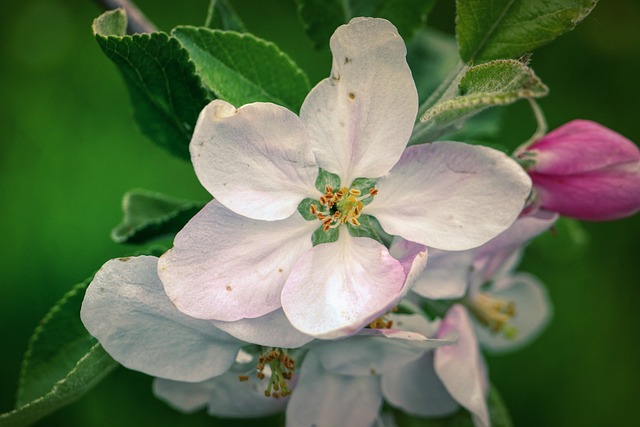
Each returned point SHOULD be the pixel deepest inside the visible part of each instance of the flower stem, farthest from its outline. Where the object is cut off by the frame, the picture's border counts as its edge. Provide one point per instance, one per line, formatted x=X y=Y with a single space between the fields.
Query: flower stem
x=137 y=22
x=541 y=130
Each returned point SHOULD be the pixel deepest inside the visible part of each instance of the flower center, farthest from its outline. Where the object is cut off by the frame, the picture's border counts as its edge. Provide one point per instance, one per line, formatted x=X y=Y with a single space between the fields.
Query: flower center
x=494 y=313
x=343 y=206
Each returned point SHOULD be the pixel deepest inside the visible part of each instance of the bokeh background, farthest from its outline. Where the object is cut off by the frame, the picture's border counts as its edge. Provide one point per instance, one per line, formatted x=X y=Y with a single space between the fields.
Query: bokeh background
x=69 y=149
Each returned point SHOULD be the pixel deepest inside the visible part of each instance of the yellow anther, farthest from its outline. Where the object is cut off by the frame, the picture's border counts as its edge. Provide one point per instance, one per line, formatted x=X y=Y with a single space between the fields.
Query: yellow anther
x=313 y=209
x=373 y=191
x=354 y=221
x=354 y=192
x=494 y=313
x=328 y=189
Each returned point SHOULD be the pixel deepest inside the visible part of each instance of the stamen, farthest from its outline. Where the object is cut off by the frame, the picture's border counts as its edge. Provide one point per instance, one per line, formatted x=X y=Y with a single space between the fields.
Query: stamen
x=494 y=313
x=373 y=191
x=354 y=192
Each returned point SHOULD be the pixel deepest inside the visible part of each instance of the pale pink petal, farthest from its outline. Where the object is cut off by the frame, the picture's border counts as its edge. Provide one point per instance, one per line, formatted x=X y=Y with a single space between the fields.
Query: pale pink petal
x=337 y=288
x=255 y=160
x=415 y=388
x=360 y=119
x=372 y=355
x=533 y=312
x=412 y=257
x=449 y=195
x=224 y=266
x=225 y=396
x=460 y=365
x=271 y=330
x=323 y=398
x=126 y=309
x=447 y=276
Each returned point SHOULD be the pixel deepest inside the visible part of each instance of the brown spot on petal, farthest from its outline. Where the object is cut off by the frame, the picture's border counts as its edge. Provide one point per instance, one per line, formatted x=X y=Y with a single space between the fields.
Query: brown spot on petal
x=229 y=288
x=352 y=95
x=124 y=259
x=280 y=270
x=346 y=60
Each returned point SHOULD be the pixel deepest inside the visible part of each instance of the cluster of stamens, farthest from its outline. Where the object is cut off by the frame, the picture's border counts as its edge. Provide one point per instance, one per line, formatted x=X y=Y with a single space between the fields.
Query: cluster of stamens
x=384 y=321
x=343 y=206
x=281 y=367
x=494 y=313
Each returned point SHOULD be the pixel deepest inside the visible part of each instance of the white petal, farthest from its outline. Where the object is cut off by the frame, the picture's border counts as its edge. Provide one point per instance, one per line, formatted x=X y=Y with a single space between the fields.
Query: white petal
x=255 y=160
x=533 y=312
x=449 y=195
x=416 y=389
x=225 y=396
x=271 y=330
x=224 y=266
x=126 y=309
x=337 y=288
x=371 y=355
x=323 y=398
x=412 y=256
x=446 y=276
x=460 y=365
x=360 y=119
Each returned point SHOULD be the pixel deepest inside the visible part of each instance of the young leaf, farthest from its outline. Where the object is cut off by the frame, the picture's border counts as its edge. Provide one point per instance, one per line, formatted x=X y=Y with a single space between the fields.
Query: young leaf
x=499 y=82
x=222 y=15
x=321 y=17
x=241 y=68
x=62 y=363
x=165 y=91
x=148 y=215
x=509 y=28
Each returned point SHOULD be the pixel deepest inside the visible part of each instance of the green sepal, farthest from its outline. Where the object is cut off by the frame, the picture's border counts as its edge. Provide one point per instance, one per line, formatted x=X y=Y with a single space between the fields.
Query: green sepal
x=242 y=68
x=370 y=227
x=510 y=28
x=327 y=178
x=61 y=364
x=221 y=15
x=320 y=236
x=320 y=18
x=148 y=215
x=364 y=185
x=166 y=93
x=303 y=208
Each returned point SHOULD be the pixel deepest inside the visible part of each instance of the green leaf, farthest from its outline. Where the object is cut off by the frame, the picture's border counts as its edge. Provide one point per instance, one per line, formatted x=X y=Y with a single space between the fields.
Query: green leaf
x=222 y=15
x=509 y=28
x=165 y=91
x=499 y=82
x=148 y=215
x=321 y=17
x=241 y=68
x=61 y=364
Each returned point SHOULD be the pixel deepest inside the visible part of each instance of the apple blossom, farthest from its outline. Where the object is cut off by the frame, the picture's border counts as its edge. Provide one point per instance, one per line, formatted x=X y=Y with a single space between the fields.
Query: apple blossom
x=297 y=199
x=586 y=171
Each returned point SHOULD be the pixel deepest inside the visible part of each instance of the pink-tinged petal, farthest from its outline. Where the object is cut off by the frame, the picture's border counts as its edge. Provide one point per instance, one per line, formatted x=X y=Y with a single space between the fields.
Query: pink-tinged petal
x=581 y=146
x=337 y=288
x=224 y=266
x=255 y=160
x=412 y=257
x=415 y=388
x=360 y=119
x=225 y=396
x=126 y=309
x=271 y=330
x=460 y=365
x=447 y=276
x=595 y=196
x=533 y=312
x=449 y=195
x=323 y=398
x=492 y=257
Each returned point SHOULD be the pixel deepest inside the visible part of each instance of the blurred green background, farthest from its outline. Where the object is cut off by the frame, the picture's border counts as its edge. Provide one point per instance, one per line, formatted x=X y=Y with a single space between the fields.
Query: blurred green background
x=70 y=149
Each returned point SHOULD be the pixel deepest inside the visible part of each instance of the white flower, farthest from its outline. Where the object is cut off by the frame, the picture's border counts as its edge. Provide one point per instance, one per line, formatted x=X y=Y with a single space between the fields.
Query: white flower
x=250 y=252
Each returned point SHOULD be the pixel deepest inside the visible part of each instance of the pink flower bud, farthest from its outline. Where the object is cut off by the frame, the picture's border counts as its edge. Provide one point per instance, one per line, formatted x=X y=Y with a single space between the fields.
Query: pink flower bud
x=586 y=171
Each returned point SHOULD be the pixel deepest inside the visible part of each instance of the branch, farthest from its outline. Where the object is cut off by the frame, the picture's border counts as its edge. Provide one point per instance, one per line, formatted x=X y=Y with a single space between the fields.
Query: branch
x=136 y=21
